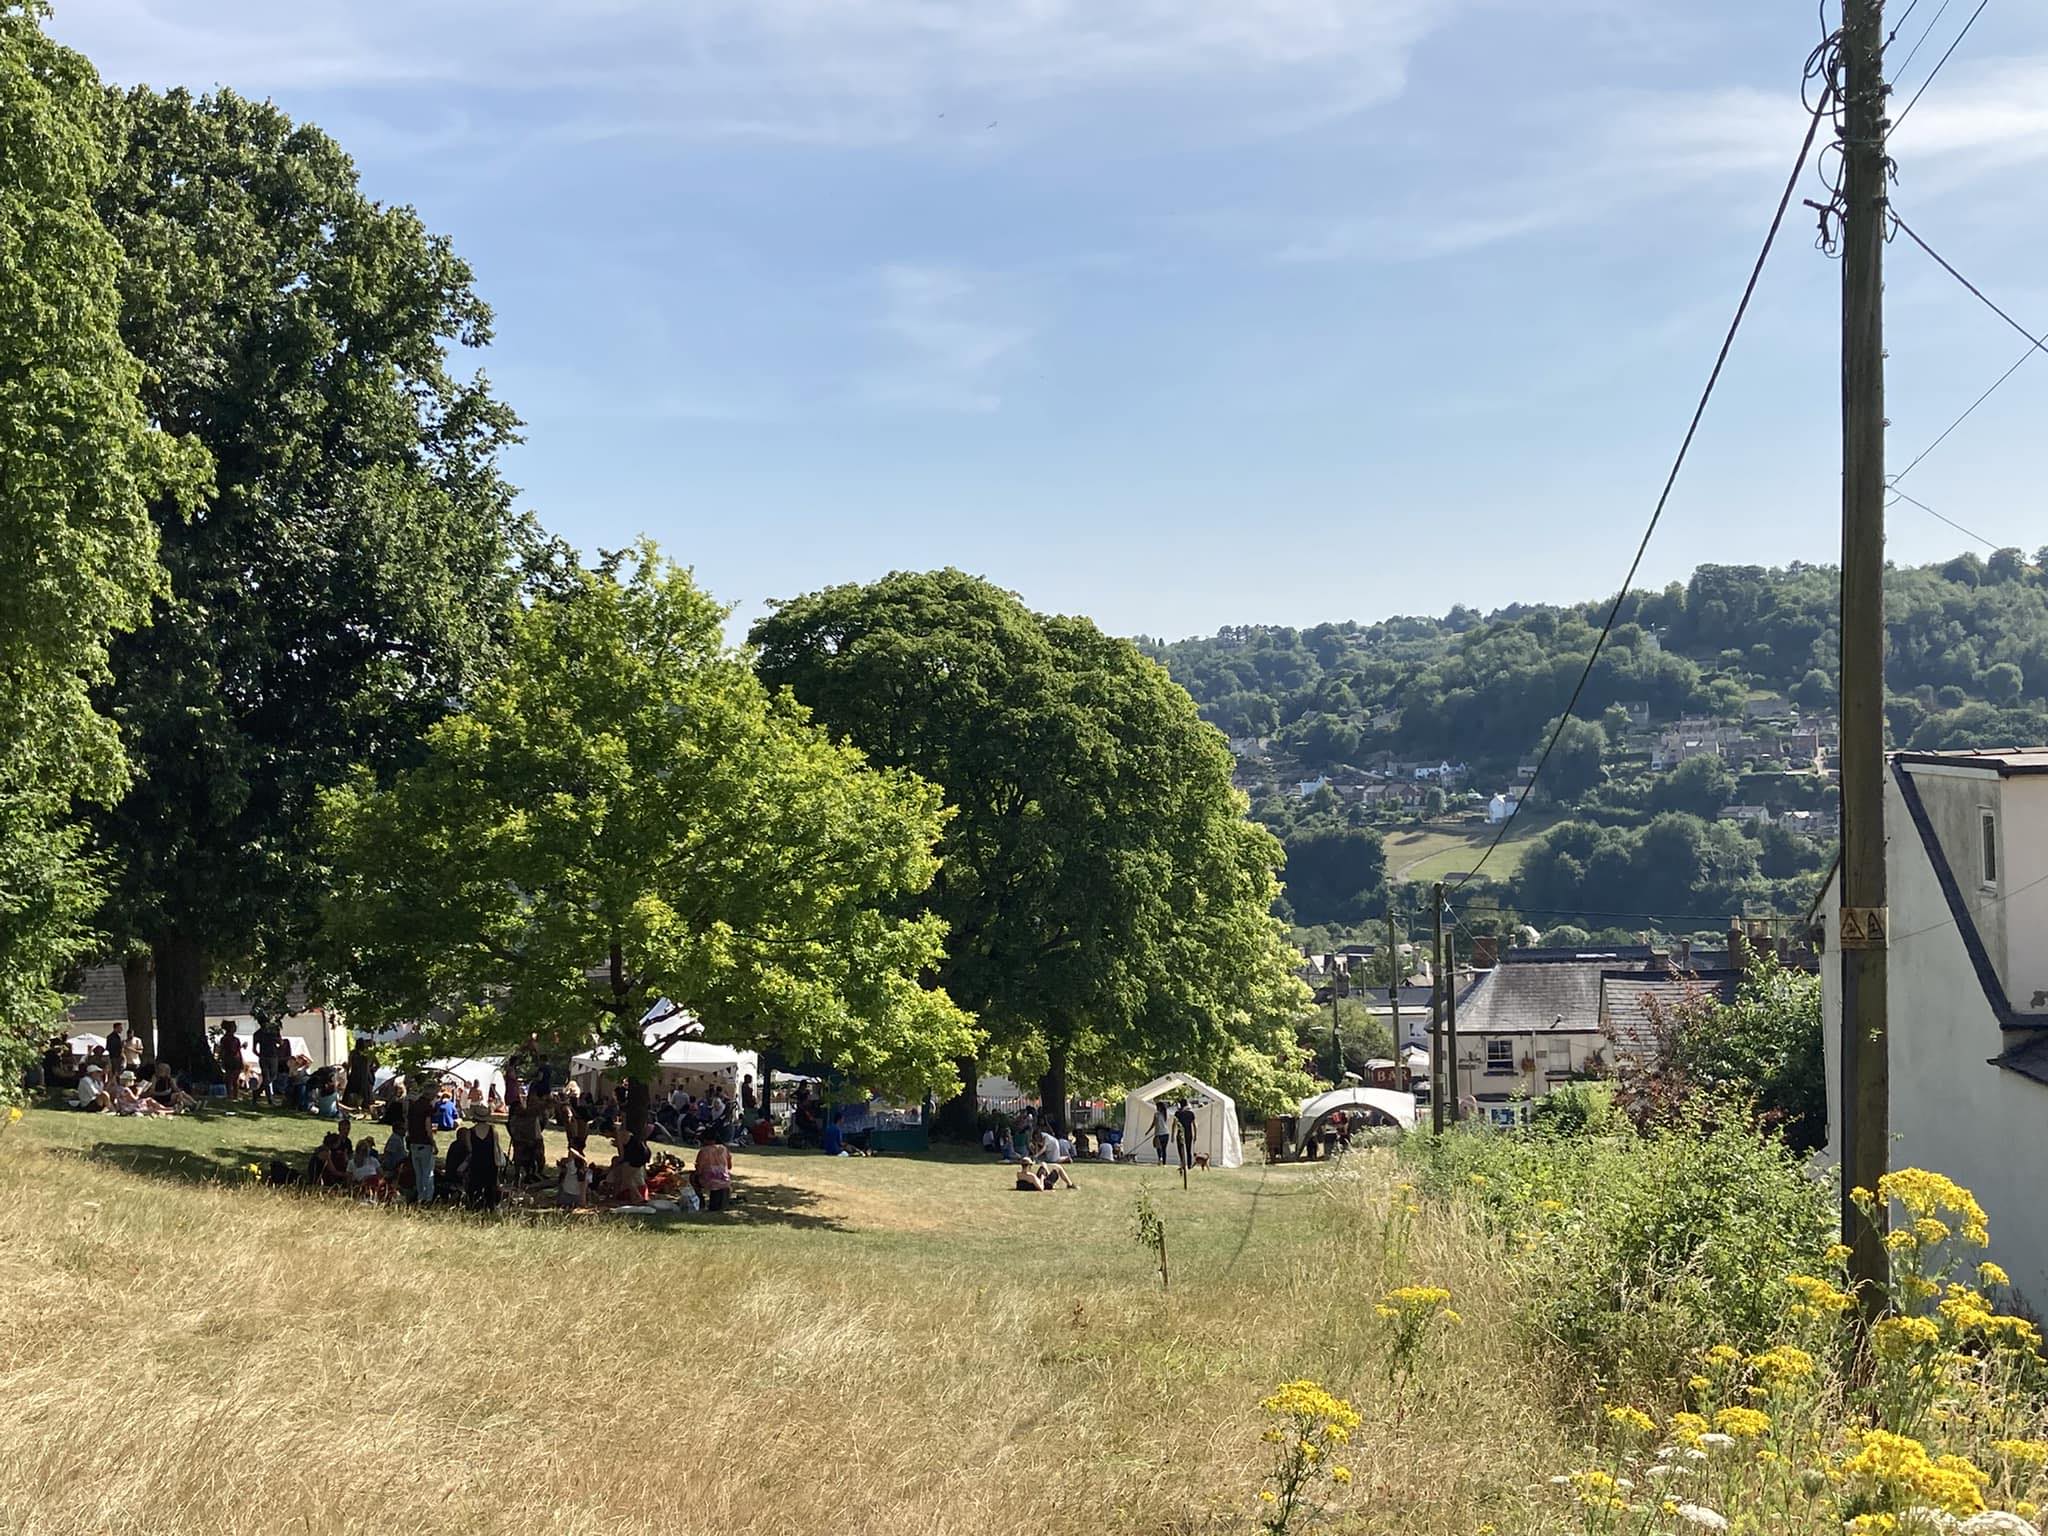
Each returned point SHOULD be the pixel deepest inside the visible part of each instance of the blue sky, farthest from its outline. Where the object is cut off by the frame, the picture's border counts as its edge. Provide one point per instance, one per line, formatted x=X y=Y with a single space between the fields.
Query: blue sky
x=1176 y=313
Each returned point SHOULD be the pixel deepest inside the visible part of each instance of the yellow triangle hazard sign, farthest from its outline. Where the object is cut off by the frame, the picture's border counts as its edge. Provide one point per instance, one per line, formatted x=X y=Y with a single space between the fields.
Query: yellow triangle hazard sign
x=1852 y=928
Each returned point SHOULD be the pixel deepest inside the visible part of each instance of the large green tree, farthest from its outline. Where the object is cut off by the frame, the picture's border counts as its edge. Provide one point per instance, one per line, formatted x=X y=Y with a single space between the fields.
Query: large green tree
x=1106 y=901
x=79 y=465
x=349 y=576
x=624 y=814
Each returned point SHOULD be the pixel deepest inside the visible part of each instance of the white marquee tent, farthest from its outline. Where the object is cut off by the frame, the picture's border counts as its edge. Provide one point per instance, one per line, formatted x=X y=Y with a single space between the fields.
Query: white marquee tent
x=1216 y=1133
x=1394 y=1105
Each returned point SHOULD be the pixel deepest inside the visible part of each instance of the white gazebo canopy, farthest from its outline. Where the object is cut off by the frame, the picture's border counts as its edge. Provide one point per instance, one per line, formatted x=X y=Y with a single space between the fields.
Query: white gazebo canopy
x=1216 y=1133
x=1394 y=1105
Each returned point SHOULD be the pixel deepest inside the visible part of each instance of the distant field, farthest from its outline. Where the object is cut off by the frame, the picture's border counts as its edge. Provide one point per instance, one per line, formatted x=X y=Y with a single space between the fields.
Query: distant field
x=1436 y=853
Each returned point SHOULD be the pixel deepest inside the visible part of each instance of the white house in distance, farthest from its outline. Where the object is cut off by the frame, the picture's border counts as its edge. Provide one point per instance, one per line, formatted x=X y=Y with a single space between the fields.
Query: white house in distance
x=1967 y=867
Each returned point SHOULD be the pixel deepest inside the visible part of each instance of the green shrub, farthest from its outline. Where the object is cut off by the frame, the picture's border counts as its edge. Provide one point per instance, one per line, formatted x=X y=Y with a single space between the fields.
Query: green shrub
x=1635 y=1246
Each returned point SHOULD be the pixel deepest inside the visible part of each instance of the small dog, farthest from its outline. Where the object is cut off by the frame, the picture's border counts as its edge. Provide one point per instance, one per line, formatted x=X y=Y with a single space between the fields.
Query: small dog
x=1201 y=1160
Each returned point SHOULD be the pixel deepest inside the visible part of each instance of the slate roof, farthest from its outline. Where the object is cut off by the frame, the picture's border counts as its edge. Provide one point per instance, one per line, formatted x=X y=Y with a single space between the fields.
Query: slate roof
x=103 y=998
x=1558 y=991
x=1627 y=999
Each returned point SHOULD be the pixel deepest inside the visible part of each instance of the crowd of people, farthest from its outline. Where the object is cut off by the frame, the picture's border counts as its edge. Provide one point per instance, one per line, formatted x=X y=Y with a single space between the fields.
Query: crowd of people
x=482 y=1168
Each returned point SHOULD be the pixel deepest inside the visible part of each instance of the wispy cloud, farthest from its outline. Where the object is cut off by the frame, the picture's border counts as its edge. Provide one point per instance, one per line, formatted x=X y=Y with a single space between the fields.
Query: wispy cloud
x=843 y=71
x=950 y=346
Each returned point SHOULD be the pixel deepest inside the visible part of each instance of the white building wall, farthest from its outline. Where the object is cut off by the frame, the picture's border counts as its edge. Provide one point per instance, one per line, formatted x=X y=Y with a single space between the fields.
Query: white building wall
x=1951 y=1110
x=2023 y=885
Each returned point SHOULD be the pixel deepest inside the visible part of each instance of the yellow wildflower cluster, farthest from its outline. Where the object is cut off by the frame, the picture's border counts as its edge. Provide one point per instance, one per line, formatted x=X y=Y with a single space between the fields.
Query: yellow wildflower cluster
x=1782 y=1364
x=1779 y=1444
x=1414 y=1300
x=1743 y=1423
x=1923 y=1194
x=1632 y=1420
x=1890 y=1468
x=1596 y=1489
x=1817 y=1299
x=1309 y=1402
x=1899 y=1339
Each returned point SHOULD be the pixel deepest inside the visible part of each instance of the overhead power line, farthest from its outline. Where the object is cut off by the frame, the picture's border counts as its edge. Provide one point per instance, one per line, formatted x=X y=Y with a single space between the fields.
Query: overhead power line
x=2034 y=344
x=1899 y=121
x=1899 y=496
x=1925 y=33
x=1819 y=111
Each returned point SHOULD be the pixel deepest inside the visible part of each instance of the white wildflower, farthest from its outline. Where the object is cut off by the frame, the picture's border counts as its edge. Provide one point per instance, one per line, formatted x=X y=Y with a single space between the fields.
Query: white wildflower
x=1661 y=1471
x=1714 y=1440
x=1997 y=1522
x=1702 y=1518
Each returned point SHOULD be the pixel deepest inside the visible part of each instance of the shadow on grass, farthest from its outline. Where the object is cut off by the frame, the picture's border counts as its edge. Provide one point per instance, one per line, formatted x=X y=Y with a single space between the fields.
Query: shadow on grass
x=229 y=1162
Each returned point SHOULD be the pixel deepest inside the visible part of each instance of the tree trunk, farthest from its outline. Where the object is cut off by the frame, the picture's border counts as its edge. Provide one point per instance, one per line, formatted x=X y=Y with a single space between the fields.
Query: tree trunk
x=181 y=1002
x=958 y=1118
x=138 y=978
x=1052 y=1090
x=639 y=1102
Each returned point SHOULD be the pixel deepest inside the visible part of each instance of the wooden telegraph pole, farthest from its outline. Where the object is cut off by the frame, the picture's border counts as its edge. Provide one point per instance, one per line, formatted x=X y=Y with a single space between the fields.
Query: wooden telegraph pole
x=1436 y=1011
x=1865 y=922
x=1394 y=969
x=1451 y=1015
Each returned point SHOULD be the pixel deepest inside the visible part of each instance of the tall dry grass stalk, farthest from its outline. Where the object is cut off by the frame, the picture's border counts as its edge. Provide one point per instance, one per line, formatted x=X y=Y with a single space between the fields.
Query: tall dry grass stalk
x=888 y=1345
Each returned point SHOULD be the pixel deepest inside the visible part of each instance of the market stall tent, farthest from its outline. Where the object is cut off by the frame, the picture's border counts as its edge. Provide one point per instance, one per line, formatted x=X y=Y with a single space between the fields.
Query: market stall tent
x=1375 y=1106
x=692 y=1063
x=1216 y=1133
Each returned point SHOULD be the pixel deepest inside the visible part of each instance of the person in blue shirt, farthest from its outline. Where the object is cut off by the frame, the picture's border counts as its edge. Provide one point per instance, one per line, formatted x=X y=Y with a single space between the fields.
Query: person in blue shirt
x=446 y=1112
x=833 y=1142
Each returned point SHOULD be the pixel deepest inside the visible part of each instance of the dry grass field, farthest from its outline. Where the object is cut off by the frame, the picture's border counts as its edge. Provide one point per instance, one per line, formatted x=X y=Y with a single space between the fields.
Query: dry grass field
x=898 y=1345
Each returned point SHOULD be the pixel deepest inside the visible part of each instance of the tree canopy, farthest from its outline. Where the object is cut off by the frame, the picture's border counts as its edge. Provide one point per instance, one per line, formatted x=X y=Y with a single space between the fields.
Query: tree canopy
x=346 y=579
x=1107 y=902
x=79 y=465
x=623 y=814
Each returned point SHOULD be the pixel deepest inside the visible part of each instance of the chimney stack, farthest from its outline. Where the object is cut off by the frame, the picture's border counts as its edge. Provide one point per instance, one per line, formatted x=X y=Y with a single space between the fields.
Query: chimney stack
x=1683 y=957
x=1738 y=945
x=1485 y=951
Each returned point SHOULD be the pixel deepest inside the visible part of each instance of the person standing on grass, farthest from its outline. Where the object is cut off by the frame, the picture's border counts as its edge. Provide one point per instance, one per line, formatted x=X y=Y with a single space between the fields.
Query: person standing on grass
x=419 y=1145
x=1162 y=1128
x=1184 y=1134
x=227 y=1052
x=270 y=1058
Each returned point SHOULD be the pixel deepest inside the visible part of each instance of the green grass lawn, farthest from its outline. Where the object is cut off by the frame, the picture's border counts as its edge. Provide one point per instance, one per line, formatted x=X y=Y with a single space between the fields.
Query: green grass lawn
x=1438 y=853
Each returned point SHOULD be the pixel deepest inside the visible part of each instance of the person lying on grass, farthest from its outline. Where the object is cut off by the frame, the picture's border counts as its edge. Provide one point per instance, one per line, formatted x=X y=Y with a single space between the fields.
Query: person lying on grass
x=1043 y=1176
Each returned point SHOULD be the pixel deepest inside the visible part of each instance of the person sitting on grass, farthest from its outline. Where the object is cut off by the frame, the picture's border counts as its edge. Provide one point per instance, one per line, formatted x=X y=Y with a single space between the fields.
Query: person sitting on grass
x=1043 y=1176
x=480 y=1190
x=90 y=1092
x=454 y=1180
x=629 y=1169
x=394 y=1153
x=366 y=1171
x=446 y=1114
x=163 y=1090
x=572 y=1184
x=833 y=1142
x=763 y=1131
x=712 y=1176
x=128 y=1100
x=328 y=1167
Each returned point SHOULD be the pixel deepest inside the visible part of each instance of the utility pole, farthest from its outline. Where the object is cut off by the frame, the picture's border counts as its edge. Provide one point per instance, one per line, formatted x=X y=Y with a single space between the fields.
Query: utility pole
x=1451 y=1014
x=1865 y=922
x=1436 y=1012
x=1394 y=969
x=1336 y=975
